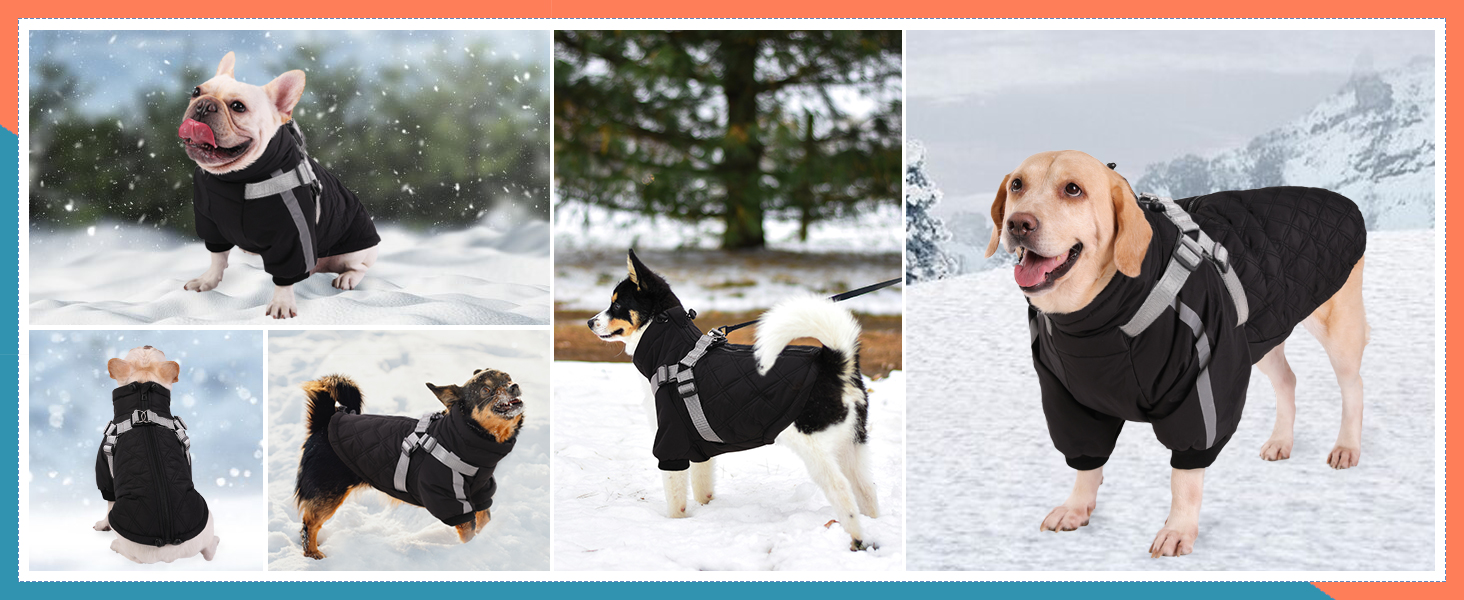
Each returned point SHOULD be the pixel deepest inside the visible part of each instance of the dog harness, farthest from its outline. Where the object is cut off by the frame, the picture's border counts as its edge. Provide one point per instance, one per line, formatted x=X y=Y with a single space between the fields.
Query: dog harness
x=145 y=469
x=1187 y=256
x=284 y=207
x=439 y=462
x=1278 y=253
x=719 y=403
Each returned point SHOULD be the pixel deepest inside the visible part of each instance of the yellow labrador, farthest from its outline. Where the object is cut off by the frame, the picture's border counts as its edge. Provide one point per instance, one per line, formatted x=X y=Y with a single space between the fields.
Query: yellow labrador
x=1076 y=225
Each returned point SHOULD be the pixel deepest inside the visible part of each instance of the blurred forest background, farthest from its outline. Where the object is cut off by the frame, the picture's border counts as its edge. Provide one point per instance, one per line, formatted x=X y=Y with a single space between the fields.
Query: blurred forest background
x=432 y=129
x=731 y=126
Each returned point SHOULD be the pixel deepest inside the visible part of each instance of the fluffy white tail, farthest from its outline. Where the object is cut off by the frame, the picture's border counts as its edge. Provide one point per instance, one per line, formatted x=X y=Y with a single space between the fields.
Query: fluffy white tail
x=807 y=316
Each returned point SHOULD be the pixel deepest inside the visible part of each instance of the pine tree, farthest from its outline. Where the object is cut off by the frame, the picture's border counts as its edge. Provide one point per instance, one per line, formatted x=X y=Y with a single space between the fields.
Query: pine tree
x=926 y=259
x=734 y=126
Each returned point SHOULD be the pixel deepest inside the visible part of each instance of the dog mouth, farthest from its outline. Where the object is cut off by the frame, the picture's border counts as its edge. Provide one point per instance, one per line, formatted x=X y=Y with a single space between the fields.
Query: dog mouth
x=204 y=151
x=510 y=408
x=612 y=335
x=1036 y=273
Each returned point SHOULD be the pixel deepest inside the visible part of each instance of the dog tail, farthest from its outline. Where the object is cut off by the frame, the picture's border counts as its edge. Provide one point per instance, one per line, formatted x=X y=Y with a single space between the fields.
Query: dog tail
x=321 y=397
x=808 y=316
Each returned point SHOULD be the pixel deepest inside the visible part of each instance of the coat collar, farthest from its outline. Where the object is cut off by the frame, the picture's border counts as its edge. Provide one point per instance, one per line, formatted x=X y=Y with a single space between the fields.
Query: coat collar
x=1118 y=302
x=667 y=338
x=282 y=154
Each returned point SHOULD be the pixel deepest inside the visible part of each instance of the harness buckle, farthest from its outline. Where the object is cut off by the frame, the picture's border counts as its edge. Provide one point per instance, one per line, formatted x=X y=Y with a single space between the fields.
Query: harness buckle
x=1189 y=254
x=108 y=447
x=429 y=444
x=410 y=444
x=139 y=417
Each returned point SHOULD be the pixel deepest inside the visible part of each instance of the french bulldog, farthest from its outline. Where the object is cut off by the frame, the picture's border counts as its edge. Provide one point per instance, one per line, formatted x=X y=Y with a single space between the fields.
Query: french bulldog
x=241 y=138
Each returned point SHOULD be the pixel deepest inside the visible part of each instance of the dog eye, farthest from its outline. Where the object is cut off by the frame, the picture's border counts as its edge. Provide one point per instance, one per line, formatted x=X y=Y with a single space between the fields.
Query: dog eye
x=1072 y=189
x=1016 y=185
x=615 y=306
x=196 y=92
x=237 y=106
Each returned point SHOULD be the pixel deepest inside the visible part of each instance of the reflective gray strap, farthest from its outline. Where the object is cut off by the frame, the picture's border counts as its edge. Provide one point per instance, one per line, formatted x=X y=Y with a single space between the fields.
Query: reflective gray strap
x=307 y=244
x=409 y=444
x=1202 y=354
x=1188 y=255
x=109 y=446
x=141 y=417
x=281 y=182
x=684 y=376
x=663 y=374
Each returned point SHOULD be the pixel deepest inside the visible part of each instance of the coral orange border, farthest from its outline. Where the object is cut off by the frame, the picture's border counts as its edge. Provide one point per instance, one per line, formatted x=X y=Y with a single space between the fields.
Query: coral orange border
x=9 y=104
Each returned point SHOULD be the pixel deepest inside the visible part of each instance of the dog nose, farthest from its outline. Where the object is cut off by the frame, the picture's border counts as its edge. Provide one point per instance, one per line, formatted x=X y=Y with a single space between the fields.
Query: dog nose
x=513 y=390
x=203 y=108
x=1020 y=225
x=590 y=323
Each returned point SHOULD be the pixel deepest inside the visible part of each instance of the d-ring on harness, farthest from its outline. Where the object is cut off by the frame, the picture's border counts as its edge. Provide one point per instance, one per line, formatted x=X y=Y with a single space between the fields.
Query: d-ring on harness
x=682 y=374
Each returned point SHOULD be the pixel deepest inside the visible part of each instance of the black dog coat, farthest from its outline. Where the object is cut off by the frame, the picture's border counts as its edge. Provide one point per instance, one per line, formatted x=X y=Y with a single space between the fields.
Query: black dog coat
x=149 y=477
x=288 y=230
x=371 y=445
x=1292 y=249
x=744 y=409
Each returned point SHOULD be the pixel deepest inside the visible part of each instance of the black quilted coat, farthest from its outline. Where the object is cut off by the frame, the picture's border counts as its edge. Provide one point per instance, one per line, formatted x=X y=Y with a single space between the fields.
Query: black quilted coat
x=1292 y=248
x=371 y=444
x=745 y=409
x=288 y=230
x=156 y=504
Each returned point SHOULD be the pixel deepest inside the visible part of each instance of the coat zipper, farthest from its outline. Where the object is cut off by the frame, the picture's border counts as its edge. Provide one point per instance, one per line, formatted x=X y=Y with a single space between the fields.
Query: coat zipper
x=155 y=455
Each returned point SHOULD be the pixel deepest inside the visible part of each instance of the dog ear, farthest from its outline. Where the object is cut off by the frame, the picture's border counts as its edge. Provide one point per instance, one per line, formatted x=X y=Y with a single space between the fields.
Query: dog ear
x=998 y=214
x=630 y=262
x=285 y=91
x=1131 y=231
x=447 y=394
x=118 y=369
x=169 y=370
x=226 y=66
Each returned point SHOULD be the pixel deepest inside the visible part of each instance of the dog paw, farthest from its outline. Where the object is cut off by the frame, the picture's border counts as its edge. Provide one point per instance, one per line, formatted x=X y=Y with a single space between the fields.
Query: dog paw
x=348 y=280
x=317 y=555
x=203 y=283
x=1066 y=518
x=677 y=512
x=704 y=498
x=102 y=525
x=858 y=545
x=281 y=306
x=1344 y=456
x=1177 y=540
x=1276 y=449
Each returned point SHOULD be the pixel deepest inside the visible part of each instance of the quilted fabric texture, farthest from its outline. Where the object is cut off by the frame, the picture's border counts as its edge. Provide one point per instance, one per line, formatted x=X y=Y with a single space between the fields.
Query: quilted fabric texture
x=745 y=409
x=1293 y=248
x=371 y=444
x=156 y=503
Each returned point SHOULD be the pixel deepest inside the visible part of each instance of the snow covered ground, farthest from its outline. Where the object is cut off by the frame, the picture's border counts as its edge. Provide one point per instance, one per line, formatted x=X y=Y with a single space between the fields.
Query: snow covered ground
x=580 y=227
x=609 y=507
x=368 y=533
x=237 y=523
x=983 y=472
x=494 y=273
x=219 y=395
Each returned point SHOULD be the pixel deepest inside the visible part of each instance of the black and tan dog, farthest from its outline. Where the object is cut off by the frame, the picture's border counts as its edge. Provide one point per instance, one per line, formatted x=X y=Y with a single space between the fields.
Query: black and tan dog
x=442 y=462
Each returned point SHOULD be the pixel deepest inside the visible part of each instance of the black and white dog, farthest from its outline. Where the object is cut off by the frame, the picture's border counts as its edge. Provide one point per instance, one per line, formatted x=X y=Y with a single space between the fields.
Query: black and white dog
x=811 y=399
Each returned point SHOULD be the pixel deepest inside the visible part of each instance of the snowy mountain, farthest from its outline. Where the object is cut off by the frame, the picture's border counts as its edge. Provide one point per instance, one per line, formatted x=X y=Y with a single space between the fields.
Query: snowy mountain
x=1372 y=141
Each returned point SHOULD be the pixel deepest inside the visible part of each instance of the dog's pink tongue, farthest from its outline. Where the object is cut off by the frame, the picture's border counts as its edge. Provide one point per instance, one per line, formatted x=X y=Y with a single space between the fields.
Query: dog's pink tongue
x=196 y=132
x=1033 y=268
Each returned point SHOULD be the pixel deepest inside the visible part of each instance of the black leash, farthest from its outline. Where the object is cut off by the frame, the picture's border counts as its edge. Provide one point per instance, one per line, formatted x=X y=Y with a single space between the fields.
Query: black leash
x=726 y=329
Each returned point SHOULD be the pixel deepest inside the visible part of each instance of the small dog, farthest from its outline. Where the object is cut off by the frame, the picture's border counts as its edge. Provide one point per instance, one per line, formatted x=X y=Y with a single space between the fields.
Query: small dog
x=1091 y=258
x=749 y=396
x=144 y=470
x=253 y=189
x=447 y=469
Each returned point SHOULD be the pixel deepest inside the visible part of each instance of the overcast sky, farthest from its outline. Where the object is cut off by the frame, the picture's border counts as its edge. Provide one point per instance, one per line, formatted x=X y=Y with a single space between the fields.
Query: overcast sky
x=983 y=101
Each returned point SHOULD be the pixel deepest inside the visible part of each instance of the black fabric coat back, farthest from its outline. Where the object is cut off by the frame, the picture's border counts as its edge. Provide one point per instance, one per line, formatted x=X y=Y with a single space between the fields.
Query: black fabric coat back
x=289 y=242
x=745 y=409
x=1292 y=248
x=156 y=503
x=371 y=444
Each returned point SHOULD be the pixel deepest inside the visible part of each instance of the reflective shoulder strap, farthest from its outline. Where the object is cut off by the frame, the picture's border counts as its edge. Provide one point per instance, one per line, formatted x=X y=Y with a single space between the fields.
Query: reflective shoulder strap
x=282 y=182
x=1188 y=254
x=684 y=376
x=109 y=447
x=410 y=444
x=138 y=419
